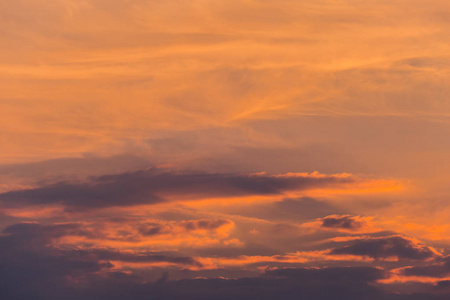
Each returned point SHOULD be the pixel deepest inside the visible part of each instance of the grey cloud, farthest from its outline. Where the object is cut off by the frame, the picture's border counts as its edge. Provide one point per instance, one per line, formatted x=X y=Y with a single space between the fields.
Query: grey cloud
x=150 y=186
x=435 y=270
x=27 y=230
x=32 y=268
x=341 y=222
x=336 y=273
x=204 y=224
x=83 y=195
x=324 y=284
x=28 y=236
x=386 y=247
x=150 y=229
x=43 y=272
x=113 y=255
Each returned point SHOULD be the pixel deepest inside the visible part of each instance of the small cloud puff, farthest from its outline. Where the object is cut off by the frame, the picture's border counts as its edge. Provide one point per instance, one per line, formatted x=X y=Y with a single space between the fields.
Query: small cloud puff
x=343 y=223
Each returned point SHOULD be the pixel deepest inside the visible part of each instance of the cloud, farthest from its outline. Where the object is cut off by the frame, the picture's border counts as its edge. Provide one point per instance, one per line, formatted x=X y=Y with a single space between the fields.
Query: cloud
x=28 y=261
x=204 y=224
x=136 y=235
x=30 y=268
x=131 y=257
x=82 y=196
x=31 y=263
x=293 y=209
x=398 y=247
x=155 y=185
x=435 y=270
x=43 y=231
x=343 y=223
x=223 y=86
x=336 y=273
x=34 y=236
x=326 y=284
x=210 y=228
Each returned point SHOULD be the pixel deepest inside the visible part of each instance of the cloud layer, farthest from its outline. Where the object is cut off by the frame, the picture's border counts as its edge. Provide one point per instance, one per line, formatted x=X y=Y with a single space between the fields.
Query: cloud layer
x=207 y=149
x=154 y=186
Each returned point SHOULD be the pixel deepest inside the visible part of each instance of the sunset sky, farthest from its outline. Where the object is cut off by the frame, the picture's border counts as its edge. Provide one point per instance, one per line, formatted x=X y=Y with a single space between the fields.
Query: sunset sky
x=224 y=149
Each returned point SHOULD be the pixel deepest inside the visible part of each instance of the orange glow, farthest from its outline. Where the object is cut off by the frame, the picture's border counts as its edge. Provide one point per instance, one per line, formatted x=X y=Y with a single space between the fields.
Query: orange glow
x=226 y=139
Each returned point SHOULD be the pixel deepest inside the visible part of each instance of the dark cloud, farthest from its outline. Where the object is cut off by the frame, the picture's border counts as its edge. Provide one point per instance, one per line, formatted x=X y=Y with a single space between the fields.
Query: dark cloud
x=435 y=270
x=31 y=267
x=342 y=222
x=46 y=231
x=28 y=262
x=36 y=236
x=82 y=195
x=337 y=273
x=28 y=236
x=445 y=284
x=387 y=247
x=144 y=257
x=204 y=224
x=324 y=284
x=269 y=288
x=332 y=283
x=150 y=229
x=150 y=187
x=38 y=271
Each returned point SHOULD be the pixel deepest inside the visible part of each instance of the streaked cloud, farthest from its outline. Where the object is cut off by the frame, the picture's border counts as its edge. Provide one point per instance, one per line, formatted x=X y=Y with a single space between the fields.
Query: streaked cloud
x=159 y=185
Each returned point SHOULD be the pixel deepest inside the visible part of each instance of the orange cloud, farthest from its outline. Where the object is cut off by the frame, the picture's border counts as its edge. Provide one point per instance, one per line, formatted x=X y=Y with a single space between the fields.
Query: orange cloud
x=292 y=258
x=155 y=234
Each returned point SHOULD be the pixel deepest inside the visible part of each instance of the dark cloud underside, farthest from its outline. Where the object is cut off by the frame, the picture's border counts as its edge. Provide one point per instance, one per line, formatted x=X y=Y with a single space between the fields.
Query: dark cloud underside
x=150 y=187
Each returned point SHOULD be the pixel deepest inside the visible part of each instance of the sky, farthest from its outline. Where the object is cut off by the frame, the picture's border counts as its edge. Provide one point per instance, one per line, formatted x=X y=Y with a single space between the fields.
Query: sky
x=241 y=149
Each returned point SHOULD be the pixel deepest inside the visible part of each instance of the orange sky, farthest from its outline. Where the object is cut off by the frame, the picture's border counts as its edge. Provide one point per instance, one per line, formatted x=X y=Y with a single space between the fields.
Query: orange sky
x=228 y=138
